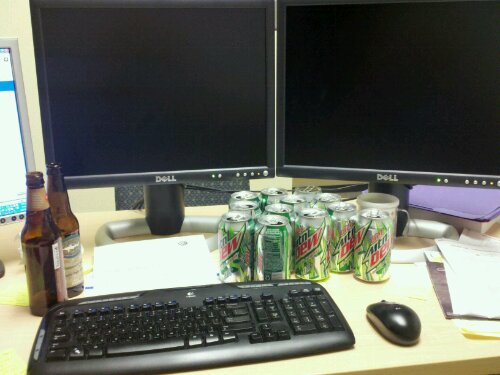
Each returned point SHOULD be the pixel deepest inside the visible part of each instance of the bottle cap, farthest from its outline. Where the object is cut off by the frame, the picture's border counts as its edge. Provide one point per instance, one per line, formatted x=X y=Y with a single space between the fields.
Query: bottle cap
x=54 y=168
x=34 y=180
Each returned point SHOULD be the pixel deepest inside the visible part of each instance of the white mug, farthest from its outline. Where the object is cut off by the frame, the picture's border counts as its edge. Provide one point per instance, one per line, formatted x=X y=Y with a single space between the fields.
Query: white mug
x=384 y=202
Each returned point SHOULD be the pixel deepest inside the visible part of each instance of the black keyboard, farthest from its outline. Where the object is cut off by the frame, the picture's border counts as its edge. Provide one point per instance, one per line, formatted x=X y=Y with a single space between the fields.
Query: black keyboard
x=168 y=330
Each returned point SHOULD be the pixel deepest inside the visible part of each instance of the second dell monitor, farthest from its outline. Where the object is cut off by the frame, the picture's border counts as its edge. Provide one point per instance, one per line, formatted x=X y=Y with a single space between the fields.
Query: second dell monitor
x=401 y=92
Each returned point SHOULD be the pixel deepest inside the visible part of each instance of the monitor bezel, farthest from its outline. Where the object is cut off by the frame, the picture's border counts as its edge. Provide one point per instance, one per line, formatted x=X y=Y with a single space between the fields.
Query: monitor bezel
x=168 y=176
x=355 y=174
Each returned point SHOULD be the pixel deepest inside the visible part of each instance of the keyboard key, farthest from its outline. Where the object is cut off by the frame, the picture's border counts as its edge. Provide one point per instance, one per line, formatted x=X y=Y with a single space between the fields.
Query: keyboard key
x=275 y=316
x=61 y=315
x=306 y=319
x=326 y=306
x=76 y=353
x=270 y=336
x=261 y=314
x=283 y=335
x=236 y=306
x=266 y=296
x=229 y=337
x=324 y=326
x=335 y=322
x=195 y=340
x=62 y=337
x=56 y=355
x=95 y=352
x=240 y=327
x=212 y=339
x=238 y=312
x=145 y=347
x=237 y=319
x=159 y=305
x=255 y=338
x=304 y=328
x=246 y=298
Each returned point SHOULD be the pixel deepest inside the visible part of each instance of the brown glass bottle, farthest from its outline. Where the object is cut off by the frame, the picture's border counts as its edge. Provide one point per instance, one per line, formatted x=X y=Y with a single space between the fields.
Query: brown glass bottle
x=42 y=248
x=69 y=227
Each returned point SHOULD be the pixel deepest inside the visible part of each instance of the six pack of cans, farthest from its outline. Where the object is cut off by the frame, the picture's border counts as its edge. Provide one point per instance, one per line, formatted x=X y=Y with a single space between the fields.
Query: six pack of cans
x=275 y=235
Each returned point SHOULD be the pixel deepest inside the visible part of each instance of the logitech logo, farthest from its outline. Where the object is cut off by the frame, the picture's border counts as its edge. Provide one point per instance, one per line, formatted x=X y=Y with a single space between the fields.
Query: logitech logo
x=160 y=179
x=387 y=177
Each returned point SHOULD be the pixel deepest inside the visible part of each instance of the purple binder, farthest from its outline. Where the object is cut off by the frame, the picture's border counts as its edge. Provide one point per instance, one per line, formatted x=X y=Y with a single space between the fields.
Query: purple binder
x=469 y=203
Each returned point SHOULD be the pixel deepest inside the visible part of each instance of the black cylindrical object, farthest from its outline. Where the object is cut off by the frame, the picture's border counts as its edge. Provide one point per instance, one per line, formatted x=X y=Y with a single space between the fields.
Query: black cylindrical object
x=164 y=206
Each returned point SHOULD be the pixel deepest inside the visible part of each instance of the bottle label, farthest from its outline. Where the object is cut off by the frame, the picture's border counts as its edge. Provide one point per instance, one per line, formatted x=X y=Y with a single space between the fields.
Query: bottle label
x=56 y=253
x=37 y=200
x=62 y=292
x=73 y=259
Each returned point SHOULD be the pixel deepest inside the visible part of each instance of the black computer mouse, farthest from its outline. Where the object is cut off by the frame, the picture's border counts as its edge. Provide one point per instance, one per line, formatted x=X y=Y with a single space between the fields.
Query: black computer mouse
x=397 y=323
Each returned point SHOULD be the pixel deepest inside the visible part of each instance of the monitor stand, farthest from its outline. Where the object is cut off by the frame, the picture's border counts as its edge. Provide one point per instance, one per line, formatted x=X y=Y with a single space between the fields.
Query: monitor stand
x=416 y=227
x=164 y=206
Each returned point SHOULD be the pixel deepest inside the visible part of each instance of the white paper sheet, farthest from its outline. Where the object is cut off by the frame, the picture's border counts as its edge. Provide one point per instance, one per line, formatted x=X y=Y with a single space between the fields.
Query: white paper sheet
x=475 y=238
x=153 y=264
x=473 y=281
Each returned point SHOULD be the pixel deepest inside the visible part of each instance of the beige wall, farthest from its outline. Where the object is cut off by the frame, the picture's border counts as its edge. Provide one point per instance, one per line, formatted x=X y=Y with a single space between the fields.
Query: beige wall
x=15 y=22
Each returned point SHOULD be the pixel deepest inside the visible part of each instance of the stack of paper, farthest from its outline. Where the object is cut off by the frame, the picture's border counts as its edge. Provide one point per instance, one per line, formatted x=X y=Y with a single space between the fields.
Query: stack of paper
x=465 y=275
x=152 y=264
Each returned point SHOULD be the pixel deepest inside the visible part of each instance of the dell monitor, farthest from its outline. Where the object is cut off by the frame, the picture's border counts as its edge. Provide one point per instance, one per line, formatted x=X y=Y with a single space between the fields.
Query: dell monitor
x=394 y=93
x=17 y=152
x=156 y=92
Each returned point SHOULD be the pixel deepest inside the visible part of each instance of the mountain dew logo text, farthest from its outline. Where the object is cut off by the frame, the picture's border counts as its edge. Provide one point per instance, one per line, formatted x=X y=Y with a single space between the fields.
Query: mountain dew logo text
x=346 y=243
x=305 y=244
x=360 y=234
x=232 y=246
x=378 y=250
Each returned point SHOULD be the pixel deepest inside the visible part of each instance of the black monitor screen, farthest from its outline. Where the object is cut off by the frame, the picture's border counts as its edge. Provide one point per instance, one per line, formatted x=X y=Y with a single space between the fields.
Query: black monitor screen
x=409 y=87
x=140 y=89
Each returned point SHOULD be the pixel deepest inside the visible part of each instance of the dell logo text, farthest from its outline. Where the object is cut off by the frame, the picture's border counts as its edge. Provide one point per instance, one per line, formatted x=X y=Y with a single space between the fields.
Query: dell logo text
x=387 y=177
x=165 y=179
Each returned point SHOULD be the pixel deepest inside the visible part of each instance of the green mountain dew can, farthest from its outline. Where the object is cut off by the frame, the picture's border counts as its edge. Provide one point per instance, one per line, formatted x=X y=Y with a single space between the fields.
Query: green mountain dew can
x=271 y=195
x=296 y=201
x=246 y=195
x=343 y=240
x=287 y=211
x=236 y=246
x=311 y=246
x=309 y=193
x=281 y=210
x=273 y=248
x=372 y=254
x=324 y=199
x=249 y=206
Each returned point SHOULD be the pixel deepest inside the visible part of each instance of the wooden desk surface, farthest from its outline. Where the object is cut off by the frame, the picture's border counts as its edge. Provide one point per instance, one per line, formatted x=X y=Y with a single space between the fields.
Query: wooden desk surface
x=442 y=348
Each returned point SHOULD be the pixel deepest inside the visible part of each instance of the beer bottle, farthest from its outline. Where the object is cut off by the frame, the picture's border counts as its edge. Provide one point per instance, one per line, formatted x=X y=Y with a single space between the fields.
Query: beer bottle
x=69 y=227
x=42 y=248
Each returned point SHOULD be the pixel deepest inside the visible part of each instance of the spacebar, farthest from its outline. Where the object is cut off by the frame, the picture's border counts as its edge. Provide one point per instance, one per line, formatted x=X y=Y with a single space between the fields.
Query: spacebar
x=145 y=347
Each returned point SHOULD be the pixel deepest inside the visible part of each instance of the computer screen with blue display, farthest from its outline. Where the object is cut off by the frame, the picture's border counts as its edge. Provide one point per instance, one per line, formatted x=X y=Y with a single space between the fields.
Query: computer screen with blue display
x=396 y=93
x=17 y=154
